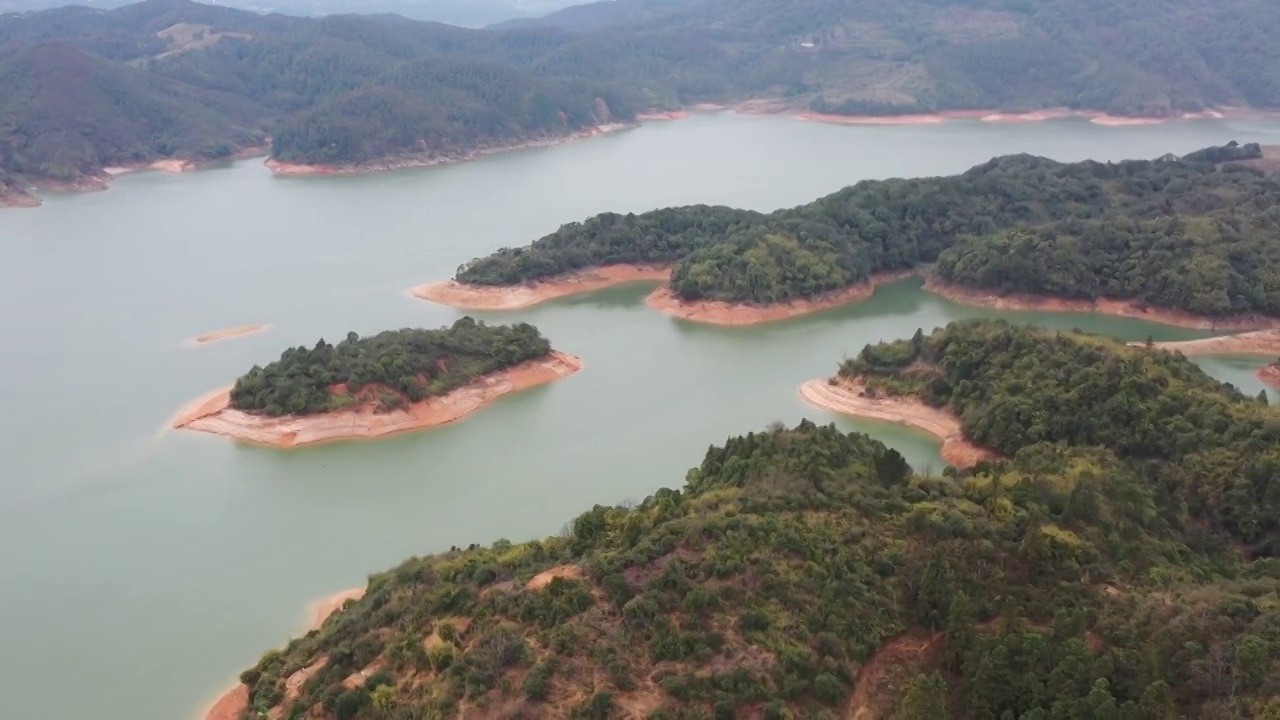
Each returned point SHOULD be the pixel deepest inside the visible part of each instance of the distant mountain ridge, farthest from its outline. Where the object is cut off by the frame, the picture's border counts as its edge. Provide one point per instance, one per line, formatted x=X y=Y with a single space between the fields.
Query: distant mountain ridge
x=199 y=82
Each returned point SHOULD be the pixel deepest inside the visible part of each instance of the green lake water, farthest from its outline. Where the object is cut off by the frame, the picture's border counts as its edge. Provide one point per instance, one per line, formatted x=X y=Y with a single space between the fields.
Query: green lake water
x=143 y=569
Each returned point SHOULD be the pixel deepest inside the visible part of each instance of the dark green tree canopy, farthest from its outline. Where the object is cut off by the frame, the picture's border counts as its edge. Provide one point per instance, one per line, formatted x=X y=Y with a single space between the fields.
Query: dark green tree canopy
x=1192 y=234
x=401 y=365
x=1062 y=584
x=1203 y=442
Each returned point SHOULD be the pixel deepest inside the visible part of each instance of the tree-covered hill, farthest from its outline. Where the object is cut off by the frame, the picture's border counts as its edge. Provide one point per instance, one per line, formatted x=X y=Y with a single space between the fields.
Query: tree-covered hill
x=1200 y=442
x=66 y=113
x=369 y=89
x=389 y=369
x=806 y=573
x=203 y=81
x=874 y=56
x=1197 y=234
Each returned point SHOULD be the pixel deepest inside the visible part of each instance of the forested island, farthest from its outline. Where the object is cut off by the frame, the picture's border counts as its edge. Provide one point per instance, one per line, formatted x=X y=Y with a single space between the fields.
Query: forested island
x=394 y=381
x=808 y=573
x=91 y=92
x=1186 y=240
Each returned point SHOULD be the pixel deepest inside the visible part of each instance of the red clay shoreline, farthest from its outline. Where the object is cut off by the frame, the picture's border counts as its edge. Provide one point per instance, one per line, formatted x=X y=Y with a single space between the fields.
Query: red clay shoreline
x=212 y=412
x=852 y=397
x=231 y=704
x=513 y=297
x=516 y=297
x=1260 y=342
x=715 y=312
x=1270 y=374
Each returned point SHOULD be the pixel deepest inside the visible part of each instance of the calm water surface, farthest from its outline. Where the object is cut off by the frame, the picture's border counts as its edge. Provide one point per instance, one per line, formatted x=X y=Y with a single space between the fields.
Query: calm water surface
x=142 y=570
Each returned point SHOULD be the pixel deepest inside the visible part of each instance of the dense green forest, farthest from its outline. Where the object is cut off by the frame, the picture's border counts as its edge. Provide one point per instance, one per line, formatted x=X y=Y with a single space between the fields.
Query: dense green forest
x=807 y=573
x=391 y=368
x=1198 y=233
x=1201 y=443
x=200 y=81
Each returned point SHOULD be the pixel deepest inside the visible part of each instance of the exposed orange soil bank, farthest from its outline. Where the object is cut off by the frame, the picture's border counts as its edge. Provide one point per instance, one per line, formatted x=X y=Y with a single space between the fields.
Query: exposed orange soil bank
x=672 y=115
x=213 y=413
x=216 y=335
x=169 y=165
x=1094 y=116
x=323 y=608
x=723 y=313
x=232 y=704
x=428 y=160
x=1106 y=306
x=514 y=297
x=1261 y=342
x=851 y=397
x=1270 y=375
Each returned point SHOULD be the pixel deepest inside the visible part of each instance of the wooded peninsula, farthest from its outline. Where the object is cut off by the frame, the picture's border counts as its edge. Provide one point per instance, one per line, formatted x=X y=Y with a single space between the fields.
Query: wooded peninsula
x=809 y=573
x=1195 y=235
x=394 y=381
x=175 y=84
x=1214 y=450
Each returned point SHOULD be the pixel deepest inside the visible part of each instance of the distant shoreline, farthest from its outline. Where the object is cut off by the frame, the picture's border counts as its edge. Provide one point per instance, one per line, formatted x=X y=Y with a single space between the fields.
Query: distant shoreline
x=280 y=167
x=231 y=704
x=212 y=413
x=851 y=397
x=100 y=179
x=1096 y=117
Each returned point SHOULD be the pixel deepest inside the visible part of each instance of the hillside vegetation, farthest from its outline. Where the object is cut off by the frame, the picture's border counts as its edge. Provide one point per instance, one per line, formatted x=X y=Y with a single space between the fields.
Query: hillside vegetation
x=806 y=573
x=200 y=82
x=397 y=365
x=1201 y=443
x=1150 y=57
x=1197 y=233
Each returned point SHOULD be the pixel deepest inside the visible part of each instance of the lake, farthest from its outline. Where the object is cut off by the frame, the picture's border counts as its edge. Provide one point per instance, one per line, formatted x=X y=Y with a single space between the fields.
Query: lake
x=144 y=569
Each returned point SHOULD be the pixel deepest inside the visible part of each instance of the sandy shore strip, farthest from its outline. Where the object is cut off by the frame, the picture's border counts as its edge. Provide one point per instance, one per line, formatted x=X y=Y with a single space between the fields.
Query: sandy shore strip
x=666 y=115
x=515 y=297
x=1096 y=117
x=232 y=703
x=1259 y=342
x=227 y=334
x=715 y=312
x=850 y=397
x=1105 y=306
x=213 y=413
